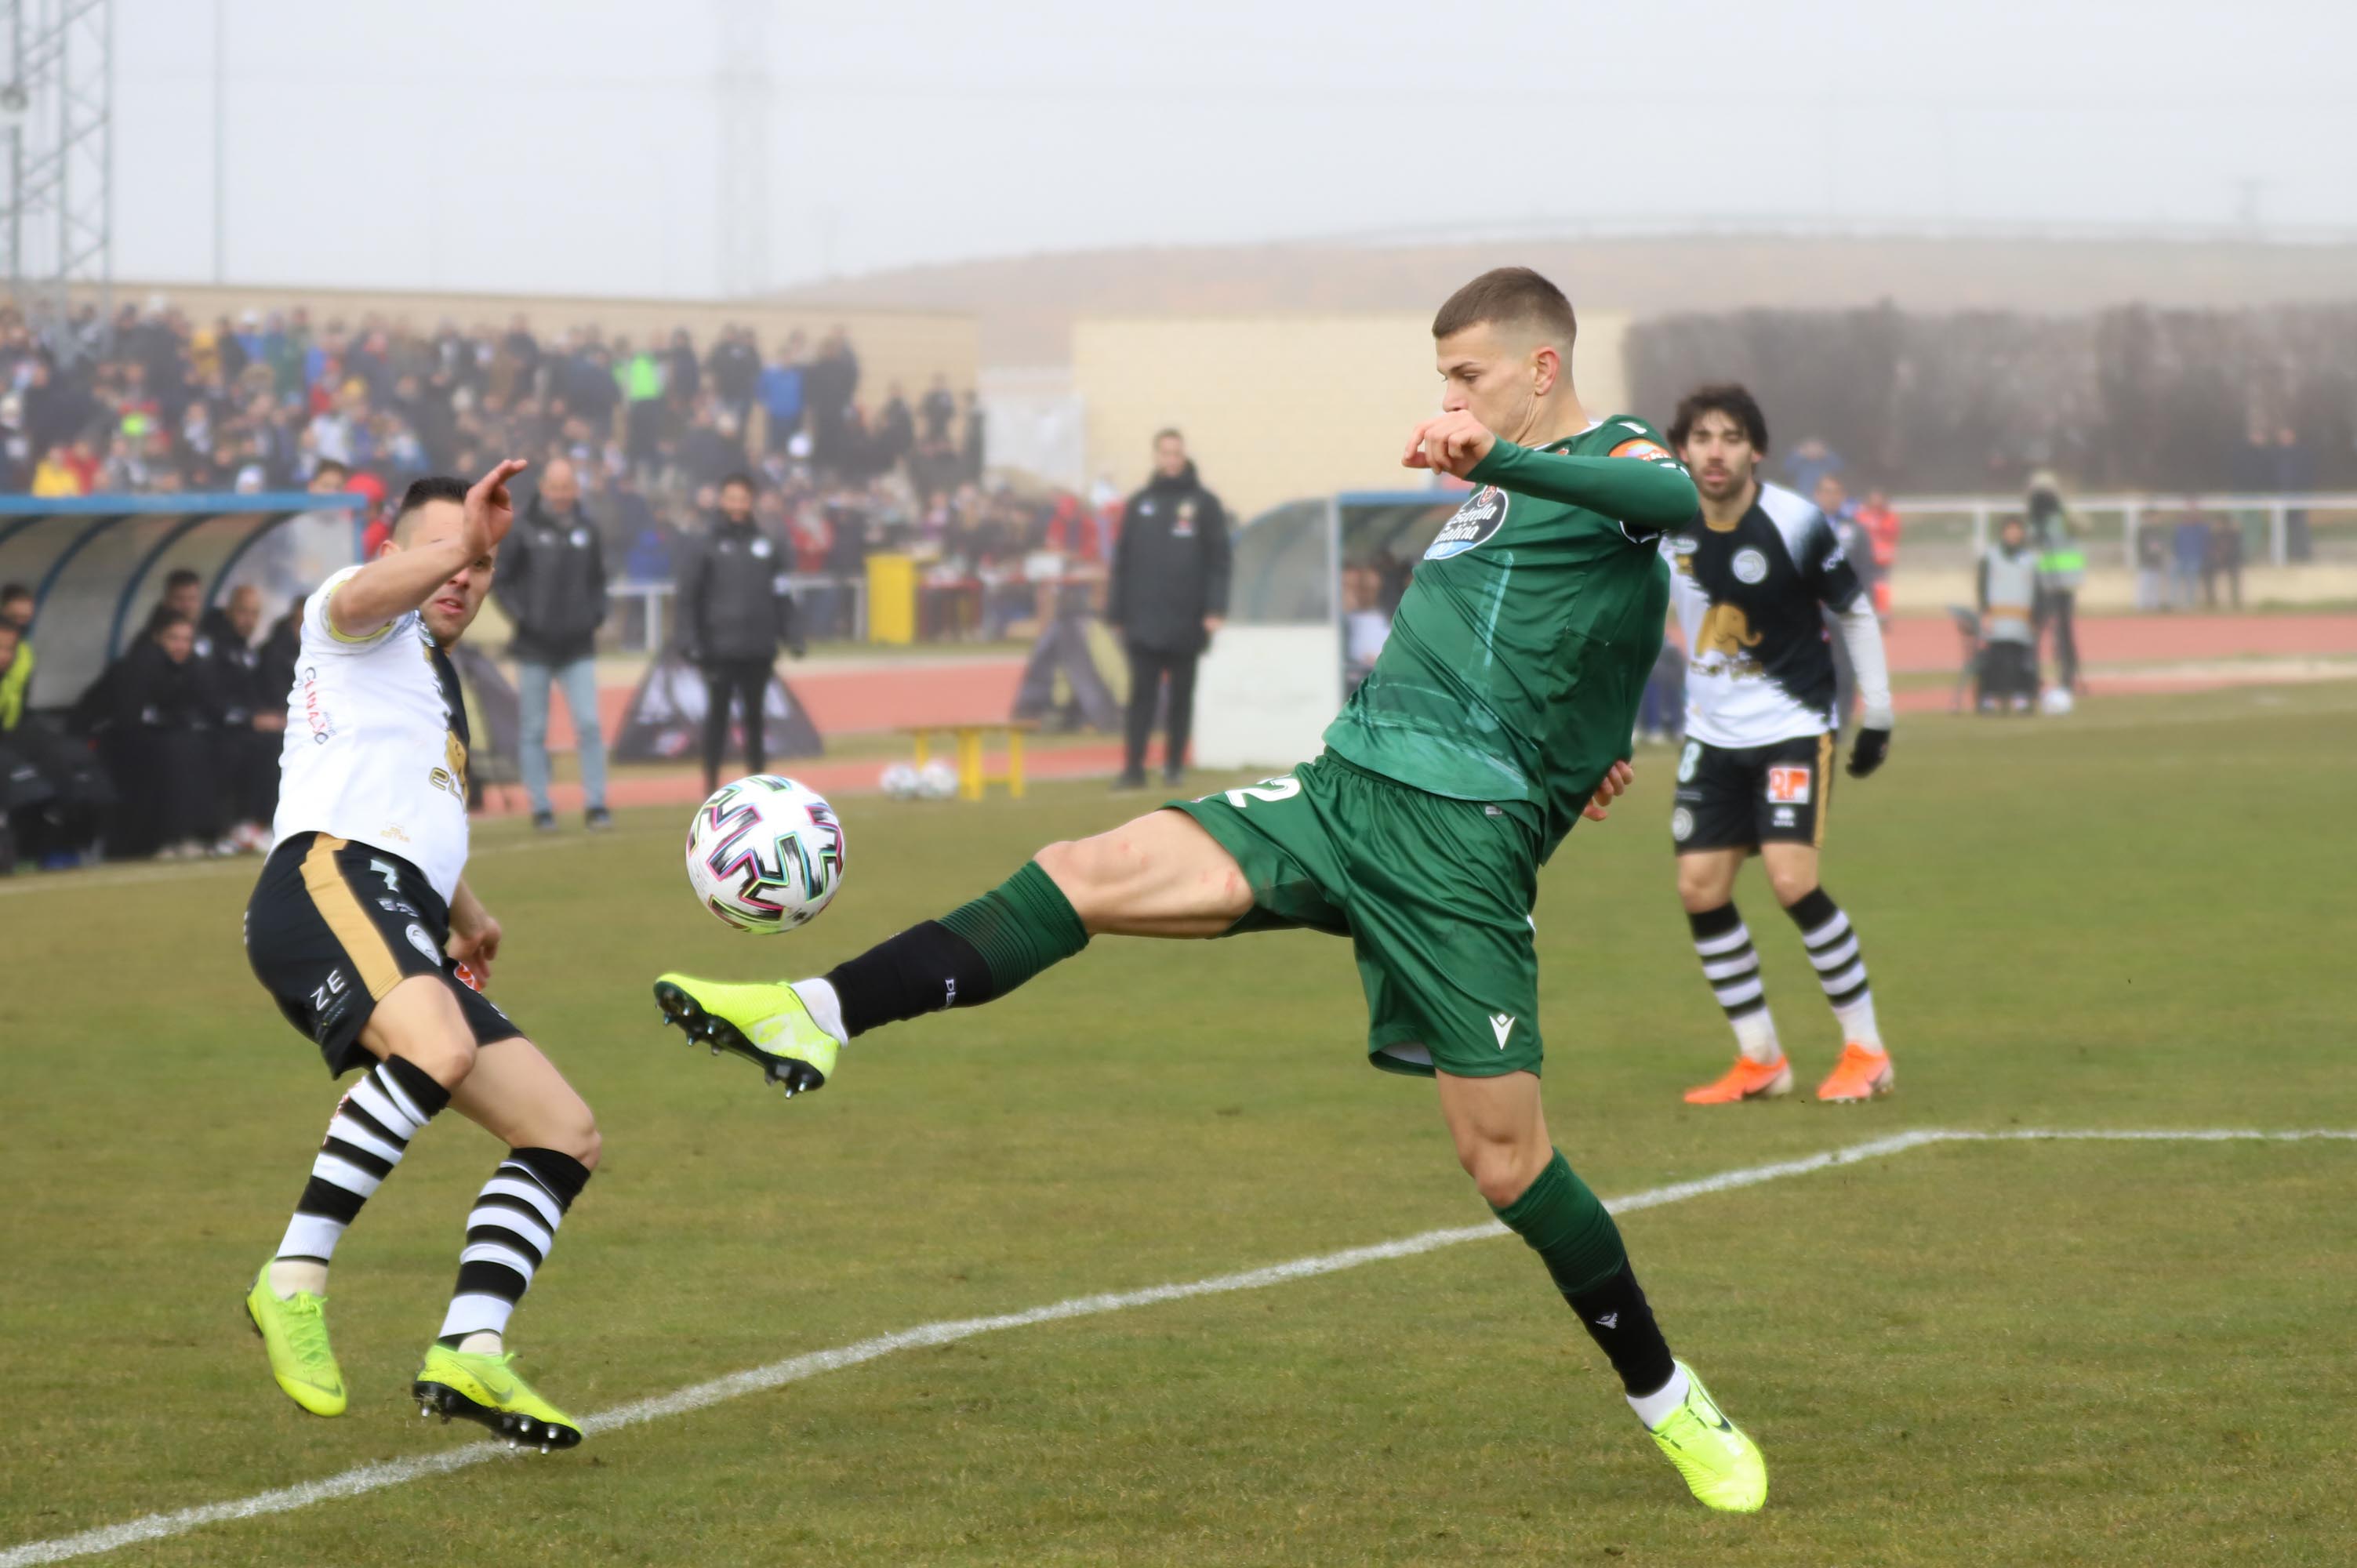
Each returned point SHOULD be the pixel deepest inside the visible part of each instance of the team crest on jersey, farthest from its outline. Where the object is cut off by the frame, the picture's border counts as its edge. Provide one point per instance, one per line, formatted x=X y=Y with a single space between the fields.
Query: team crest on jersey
x=1476 y=522
x=1748 y=565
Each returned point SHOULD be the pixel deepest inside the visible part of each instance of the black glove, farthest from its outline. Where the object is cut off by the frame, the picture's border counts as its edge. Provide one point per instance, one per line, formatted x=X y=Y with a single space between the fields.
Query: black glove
x=1867 y=751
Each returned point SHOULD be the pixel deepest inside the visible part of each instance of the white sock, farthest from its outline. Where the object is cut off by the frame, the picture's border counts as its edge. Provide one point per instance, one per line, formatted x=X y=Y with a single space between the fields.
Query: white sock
x=482 y=1342
x=1657 y=1407
x=826 y=1007
x=1755 y=1036
x=1857 y=1021
x=288 y=1275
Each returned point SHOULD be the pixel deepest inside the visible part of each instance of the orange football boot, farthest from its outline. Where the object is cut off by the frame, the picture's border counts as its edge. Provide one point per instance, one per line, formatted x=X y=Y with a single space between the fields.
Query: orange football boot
x=1862 y=1073
x=1747 y=1080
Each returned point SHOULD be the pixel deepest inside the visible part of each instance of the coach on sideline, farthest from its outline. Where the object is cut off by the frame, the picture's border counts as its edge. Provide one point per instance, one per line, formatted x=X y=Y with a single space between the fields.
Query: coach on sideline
x=551 y=583
x=1169 y=596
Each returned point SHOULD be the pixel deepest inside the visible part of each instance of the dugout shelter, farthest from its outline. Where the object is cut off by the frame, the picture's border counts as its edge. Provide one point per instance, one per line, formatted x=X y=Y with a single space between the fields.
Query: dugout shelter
x=96 y=564
x=1277 y=673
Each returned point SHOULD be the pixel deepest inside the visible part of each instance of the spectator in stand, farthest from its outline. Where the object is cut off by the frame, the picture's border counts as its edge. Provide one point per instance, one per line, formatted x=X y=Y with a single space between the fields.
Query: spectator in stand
x=159 y=745
x=2224 y=560
x=938 y=412
x=551 y=583
x=183 y=595
x=781 y=391
x=280 y=652
x=641 y=378
x=16 y=606
x=831 y=385
x=57 y=476
x=250 y=716
x=683 y=374
x=735 y=370
x=971 y=447
x=1881 y=525
x=2007 y=597
x=735 y=610
x=1167 y=598
x=1809 y=461
x=2190 y=559
x=16 y=673
x=2152 y=566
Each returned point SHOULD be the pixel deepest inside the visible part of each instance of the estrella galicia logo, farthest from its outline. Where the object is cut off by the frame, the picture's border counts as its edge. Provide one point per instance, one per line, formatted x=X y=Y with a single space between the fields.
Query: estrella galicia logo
x=1483 y=513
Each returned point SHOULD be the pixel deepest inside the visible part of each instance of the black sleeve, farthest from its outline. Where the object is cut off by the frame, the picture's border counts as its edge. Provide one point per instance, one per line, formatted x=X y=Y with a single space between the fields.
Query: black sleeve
x=514 y=568
x=689 y=636
x=1116 y=610
x=1827 y=570
x=596 y=577
x=1218 y=556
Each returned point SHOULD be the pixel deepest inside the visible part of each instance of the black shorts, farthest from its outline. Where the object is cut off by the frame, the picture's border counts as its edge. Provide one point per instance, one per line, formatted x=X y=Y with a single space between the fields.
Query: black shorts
x=333 y=925
x=1743 y=797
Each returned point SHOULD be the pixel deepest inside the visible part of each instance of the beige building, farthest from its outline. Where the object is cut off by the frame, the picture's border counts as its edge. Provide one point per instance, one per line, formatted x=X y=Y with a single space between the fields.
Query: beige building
x=1280 y=406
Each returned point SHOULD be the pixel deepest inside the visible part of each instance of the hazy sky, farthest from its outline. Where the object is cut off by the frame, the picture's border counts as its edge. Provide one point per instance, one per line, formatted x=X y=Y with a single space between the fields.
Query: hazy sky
x=576 y=146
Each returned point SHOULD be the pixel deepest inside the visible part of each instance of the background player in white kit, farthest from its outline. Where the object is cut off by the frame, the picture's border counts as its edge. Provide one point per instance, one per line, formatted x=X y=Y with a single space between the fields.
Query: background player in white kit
x=359 y=927
x=1757 y=576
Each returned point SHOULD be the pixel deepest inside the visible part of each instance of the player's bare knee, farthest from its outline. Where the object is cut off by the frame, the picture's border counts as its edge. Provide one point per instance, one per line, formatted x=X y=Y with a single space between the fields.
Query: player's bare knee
x=447 y=1058
x=1791 y=885
x=1700 y=886
x=586 y=1141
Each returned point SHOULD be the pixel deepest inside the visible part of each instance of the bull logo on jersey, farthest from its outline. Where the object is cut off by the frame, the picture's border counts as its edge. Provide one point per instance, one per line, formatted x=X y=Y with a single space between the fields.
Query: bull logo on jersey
x=1727 y=635
x=1475 y=524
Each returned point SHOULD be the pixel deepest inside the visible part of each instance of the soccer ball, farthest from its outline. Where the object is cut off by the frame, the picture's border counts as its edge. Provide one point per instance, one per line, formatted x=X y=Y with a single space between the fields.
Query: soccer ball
x=2055 y=699
x=902 y=781
x=937 y=781
x=765 y=854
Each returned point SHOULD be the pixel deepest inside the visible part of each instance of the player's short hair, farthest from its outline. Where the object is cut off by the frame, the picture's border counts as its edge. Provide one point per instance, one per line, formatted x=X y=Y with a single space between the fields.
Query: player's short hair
x=332 y=466
x=1168 y=433
x=433 y=488
x=1509 y=295
x=744 y=480
x=11 y=592
x=163 y=617
x=1730 y=398
x=180 y=577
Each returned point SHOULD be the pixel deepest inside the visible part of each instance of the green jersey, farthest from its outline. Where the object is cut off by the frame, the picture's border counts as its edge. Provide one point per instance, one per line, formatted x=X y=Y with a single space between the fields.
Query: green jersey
x=1518 y=655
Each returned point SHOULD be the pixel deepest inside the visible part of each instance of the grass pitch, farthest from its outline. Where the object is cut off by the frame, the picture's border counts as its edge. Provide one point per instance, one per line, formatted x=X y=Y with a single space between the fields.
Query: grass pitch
x=1967 y=1353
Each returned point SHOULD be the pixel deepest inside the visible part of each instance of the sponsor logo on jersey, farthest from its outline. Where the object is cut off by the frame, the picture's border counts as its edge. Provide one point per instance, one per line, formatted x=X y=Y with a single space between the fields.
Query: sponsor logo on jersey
x=315 y=711
x=1476 y=522
x=1642 y=448
x=1682 y=824
x=1726 y=633
x=1750 y=565
x=423 y=943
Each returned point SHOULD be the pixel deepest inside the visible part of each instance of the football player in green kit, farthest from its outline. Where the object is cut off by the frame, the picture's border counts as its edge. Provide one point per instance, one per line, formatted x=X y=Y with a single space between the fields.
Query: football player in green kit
x=1498 y=714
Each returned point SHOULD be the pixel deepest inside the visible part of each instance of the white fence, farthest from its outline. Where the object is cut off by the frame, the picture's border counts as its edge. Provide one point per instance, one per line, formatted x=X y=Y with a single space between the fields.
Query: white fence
x=2111 y=523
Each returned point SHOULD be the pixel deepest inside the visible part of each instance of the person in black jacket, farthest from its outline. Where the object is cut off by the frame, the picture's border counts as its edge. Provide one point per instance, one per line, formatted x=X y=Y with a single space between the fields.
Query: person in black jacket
x=1169 y=596
x=159 y=745
x=551 y=583
x=251 y=718
x=736 y=608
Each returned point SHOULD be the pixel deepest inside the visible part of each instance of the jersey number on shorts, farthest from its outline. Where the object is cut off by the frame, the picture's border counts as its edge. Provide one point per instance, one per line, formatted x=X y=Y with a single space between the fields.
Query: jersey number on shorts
x=1687 y=759
x=1268 y=789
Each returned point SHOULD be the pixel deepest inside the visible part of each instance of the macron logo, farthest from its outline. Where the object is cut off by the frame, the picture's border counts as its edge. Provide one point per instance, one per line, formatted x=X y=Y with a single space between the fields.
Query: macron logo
x=1501 y=1025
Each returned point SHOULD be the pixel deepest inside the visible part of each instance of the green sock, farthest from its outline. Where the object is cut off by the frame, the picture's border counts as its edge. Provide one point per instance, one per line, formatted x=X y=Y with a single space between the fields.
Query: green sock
x=1020 y=927
x=1568 y=1226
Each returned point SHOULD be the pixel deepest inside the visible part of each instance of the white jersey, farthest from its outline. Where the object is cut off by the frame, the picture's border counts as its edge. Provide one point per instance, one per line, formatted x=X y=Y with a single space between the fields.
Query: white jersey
x=376 y=743
x=1751 y=599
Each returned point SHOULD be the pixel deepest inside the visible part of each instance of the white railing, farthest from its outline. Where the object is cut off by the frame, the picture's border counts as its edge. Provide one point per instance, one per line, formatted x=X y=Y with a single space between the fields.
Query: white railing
x=654 y=601
x=1986 y=512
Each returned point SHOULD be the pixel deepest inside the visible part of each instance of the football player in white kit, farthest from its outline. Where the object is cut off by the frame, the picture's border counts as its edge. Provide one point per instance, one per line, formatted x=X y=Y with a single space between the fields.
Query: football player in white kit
x=1757 y=578
x=363 y=929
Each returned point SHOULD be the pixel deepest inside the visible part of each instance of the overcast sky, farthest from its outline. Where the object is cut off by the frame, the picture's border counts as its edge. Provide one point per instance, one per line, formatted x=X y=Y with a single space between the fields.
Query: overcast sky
x=581 y=146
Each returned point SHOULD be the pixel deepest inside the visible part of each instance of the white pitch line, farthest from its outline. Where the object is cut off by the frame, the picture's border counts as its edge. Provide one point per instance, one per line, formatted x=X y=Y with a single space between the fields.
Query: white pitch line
x=377 y=1476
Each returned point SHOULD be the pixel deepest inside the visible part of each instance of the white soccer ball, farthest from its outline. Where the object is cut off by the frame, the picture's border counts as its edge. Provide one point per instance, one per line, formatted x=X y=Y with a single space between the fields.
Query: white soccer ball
x=2056 y=700
x=765 y=854
x=938 y=780
x=901 y=780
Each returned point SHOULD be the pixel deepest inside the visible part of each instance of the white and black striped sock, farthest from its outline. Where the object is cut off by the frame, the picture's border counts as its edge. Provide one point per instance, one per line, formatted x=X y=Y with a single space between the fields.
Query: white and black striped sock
x=366 y=1138
x=1732 y=966
x=508 y=1233
x=1840 y=965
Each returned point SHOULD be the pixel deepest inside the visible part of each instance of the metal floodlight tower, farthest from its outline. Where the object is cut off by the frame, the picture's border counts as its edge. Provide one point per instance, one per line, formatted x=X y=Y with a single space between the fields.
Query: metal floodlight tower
x=57 y=105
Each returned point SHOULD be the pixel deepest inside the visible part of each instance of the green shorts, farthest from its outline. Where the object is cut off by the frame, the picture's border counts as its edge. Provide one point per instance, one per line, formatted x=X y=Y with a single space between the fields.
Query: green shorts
x=1435 y=895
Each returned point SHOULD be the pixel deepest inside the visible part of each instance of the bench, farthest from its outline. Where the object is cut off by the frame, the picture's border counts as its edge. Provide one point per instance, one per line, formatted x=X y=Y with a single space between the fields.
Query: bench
x=974 y=775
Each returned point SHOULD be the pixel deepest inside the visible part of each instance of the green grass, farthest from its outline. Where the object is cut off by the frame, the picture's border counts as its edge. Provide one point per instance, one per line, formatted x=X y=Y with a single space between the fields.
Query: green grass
x=2088 y=1353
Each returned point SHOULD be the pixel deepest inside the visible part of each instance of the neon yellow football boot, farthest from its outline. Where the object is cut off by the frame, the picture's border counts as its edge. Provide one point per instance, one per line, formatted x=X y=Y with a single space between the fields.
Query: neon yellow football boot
x=766 y=1025
x=482 y=1387
x=294 y=1332
x=1721 y=1466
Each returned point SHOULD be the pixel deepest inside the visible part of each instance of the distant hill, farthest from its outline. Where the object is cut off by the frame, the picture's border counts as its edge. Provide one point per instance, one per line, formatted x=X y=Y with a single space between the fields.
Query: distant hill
x=1026 y=304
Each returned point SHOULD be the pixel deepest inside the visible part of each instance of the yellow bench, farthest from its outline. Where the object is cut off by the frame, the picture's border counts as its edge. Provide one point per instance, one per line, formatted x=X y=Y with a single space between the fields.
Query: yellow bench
x=974 y=777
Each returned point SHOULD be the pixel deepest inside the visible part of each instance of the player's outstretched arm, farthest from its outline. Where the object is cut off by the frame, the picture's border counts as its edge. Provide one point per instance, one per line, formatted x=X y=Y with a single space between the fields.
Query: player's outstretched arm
x=1650 y=491
x=401 y=579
